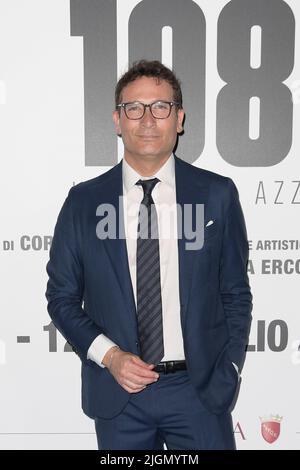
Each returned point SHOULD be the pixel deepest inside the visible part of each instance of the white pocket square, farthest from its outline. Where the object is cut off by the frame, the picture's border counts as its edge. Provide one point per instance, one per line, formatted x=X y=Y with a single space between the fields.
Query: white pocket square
x=210 y=222
x=237 y=369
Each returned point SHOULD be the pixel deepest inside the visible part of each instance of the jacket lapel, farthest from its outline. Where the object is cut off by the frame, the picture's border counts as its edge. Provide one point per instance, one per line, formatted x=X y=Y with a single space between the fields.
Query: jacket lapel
x=117 y=249
x=190 y=189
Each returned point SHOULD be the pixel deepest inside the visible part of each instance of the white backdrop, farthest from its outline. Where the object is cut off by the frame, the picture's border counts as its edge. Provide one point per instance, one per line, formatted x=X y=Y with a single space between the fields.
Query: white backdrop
x=42 y=148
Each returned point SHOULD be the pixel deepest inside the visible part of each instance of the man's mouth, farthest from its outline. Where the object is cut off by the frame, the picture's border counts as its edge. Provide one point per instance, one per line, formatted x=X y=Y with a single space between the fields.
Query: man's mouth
x=146 y=136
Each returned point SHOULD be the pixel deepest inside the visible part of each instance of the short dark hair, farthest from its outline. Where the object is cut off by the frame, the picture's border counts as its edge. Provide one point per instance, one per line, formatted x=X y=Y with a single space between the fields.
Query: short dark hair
x=149 y=68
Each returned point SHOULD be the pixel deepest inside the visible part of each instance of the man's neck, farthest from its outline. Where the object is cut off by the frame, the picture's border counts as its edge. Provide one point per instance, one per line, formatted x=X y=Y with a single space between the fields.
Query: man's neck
x=146 y=167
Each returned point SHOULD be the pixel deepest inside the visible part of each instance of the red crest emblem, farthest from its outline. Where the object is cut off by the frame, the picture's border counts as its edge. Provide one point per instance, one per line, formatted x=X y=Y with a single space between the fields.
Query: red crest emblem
x=270 y=428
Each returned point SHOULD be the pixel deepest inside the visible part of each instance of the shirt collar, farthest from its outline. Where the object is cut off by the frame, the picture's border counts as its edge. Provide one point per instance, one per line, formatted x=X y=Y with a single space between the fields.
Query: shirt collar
x=165 y=174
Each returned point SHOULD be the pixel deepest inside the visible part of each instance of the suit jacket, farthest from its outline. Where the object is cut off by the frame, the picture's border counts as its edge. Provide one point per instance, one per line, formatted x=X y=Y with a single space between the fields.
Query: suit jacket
x=89 y=290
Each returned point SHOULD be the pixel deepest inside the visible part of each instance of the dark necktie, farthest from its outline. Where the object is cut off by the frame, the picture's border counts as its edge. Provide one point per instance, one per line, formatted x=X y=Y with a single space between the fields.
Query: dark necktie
x=149 y=305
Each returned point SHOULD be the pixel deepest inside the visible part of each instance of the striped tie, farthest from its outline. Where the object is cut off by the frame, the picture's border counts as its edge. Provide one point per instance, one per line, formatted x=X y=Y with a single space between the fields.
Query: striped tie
x=149 y=306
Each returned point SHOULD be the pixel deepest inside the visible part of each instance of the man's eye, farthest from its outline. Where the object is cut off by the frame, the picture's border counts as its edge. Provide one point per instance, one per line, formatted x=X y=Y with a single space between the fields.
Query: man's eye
x=133 y=107
x=160 y=105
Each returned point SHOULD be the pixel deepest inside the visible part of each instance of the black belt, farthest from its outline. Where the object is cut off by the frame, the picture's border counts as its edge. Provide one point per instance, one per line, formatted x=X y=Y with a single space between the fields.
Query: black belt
x=170 y=366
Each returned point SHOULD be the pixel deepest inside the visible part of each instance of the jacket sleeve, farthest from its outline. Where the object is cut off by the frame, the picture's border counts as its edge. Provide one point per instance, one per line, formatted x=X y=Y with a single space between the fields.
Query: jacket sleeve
x=65 y=286
x=234 y=283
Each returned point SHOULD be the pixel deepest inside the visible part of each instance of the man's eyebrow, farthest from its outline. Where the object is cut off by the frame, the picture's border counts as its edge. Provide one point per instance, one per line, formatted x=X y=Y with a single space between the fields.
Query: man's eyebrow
x=152 y=101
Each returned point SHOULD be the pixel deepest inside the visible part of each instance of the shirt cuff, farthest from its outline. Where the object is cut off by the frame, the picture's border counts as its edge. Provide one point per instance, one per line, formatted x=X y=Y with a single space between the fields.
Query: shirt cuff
x=99 y=348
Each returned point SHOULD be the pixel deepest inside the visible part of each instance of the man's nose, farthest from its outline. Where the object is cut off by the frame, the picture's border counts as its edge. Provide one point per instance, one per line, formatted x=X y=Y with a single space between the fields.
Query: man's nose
x=148 y=119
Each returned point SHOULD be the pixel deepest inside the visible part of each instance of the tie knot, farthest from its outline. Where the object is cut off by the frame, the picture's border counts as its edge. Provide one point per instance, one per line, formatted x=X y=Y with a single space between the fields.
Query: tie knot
x=148 y=185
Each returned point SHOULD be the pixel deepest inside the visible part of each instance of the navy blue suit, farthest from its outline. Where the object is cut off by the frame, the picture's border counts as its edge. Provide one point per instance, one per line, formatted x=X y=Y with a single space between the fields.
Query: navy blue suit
x=215 y=296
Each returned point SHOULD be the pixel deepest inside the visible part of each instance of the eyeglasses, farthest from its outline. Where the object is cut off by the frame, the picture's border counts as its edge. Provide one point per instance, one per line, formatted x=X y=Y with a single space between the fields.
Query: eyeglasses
x=159 y=109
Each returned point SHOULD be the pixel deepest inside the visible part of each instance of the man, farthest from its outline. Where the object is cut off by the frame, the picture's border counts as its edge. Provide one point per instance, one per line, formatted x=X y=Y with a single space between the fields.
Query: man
x=161 y=326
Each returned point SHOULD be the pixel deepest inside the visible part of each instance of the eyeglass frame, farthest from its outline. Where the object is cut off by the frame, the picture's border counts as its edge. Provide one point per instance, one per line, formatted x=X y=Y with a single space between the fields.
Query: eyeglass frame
x=171 y=103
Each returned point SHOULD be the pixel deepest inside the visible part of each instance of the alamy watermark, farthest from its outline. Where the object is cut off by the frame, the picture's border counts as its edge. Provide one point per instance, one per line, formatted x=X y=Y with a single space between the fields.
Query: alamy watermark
x=176 y=221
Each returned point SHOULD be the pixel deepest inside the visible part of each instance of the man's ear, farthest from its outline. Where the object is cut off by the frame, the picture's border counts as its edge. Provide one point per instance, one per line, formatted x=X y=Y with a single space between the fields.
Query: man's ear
x=180 y=118
x=116 y=119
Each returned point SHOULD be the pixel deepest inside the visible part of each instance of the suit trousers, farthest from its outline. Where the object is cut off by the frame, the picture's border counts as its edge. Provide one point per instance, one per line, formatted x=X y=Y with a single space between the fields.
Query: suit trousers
x=166 y=412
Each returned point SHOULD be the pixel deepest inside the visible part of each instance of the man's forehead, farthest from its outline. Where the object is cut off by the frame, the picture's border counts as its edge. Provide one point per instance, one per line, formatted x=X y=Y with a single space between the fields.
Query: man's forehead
x=147 y=88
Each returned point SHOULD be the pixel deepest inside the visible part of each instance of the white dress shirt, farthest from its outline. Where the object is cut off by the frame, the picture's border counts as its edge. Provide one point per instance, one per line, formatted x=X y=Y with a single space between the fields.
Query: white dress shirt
x=164 y=197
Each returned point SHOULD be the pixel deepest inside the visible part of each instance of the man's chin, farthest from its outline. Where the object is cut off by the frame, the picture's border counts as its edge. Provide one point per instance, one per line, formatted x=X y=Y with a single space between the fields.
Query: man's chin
x=152 y=155
x=149 y=155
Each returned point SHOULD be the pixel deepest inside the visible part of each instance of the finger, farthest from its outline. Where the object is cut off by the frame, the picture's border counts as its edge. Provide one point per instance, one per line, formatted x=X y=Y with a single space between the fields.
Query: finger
x=140 y=372
x=140 y=363
x=137 y=360
x=134 y=386
x=129 y=390
x=140 y=380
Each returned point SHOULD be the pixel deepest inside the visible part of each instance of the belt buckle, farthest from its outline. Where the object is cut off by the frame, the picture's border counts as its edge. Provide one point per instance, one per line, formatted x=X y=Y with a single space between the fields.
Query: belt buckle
x=169 y=367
